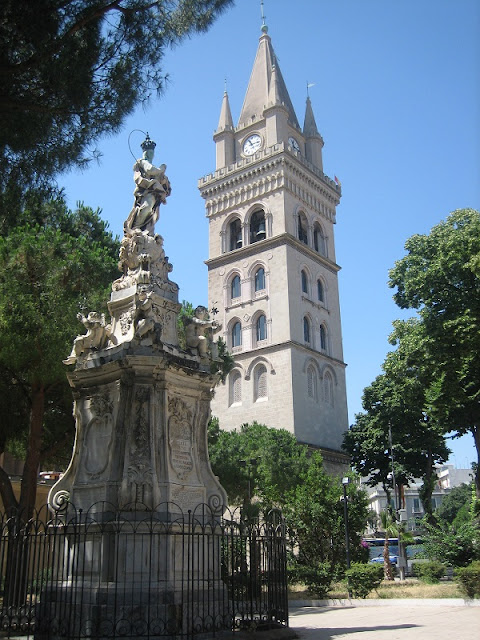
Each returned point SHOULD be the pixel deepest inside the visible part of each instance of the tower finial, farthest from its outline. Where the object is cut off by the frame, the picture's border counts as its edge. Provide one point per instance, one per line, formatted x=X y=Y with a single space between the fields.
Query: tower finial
x=309 y=84
x=264 y=26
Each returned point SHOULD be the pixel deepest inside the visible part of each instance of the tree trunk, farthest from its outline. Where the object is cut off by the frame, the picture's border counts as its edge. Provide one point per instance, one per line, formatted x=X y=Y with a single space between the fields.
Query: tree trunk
x=10 y=503
x=28 y=491
x=476 y=437
x=426 y=490
x=16 y=578
x=387 y=565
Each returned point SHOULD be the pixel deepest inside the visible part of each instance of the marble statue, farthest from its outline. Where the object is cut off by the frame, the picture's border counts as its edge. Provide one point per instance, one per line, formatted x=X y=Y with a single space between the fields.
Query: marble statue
x=152 y=187
x=199 y=332
x=96 y=337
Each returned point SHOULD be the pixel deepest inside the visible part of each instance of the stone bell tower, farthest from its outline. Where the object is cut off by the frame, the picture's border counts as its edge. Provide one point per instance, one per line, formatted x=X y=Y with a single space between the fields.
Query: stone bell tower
x=272 y=268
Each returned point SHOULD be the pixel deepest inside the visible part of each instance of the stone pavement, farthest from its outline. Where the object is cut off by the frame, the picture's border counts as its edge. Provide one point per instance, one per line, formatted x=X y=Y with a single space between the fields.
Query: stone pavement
x=388 y=620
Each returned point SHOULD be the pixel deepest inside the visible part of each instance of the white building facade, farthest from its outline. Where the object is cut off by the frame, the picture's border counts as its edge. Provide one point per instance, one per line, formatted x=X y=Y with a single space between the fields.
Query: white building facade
x=272 y=272
x=448 y=477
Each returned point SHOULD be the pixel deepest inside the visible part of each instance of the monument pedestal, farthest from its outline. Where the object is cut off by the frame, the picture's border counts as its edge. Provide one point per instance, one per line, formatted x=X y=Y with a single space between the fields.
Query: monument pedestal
x=141 y=535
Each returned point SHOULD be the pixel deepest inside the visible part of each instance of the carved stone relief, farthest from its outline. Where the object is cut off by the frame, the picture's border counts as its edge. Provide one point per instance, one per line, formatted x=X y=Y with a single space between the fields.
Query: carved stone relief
x=139 y=471
x=180 y=437
x=98 y=436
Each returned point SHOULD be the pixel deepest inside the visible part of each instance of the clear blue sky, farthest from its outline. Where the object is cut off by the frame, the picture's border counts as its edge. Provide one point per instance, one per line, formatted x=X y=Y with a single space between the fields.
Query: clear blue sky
x=397 y=100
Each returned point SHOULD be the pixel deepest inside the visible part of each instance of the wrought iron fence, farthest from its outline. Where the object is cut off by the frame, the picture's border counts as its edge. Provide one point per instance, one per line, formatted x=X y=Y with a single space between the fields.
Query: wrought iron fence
x=137 y=573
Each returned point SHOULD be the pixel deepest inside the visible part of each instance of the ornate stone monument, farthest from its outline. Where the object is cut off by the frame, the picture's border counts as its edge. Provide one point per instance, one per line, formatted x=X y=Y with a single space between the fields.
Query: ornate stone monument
x=141 y=405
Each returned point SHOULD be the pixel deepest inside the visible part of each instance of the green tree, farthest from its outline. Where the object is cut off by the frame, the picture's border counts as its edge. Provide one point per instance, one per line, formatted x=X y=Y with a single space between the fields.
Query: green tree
x=261 y=468
x=49 y=115
x=440 y=278
x=48 y=273
x=456 y=503
x=394 y=405
x=257 y=462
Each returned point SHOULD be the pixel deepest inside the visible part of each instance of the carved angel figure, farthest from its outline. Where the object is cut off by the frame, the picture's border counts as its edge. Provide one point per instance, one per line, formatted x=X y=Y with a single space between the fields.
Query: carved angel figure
x=199 y=331
x=96 y=337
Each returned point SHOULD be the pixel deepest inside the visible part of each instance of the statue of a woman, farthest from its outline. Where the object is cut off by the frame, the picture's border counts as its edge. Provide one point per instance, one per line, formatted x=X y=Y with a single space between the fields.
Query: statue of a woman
x=152 y=189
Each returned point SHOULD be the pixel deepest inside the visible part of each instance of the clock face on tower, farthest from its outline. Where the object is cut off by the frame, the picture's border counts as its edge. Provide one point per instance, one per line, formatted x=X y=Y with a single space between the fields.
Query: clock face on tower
x=252 y=144
x=294 y=144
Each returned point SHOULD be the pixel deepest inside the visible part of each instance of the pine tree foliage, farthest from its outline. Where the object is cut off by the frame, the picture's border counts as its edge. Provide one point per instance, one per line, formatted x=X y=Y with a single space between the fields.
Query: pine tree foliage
x=72 y=70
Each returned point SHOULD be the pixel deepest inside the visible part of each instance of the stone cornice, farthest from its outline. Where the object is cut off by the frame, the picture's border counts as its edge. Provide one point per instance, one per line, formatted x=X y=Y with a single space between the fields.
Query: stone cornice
x=330 y=455
x=280 y=346
x=269 y=169
x=272 y=243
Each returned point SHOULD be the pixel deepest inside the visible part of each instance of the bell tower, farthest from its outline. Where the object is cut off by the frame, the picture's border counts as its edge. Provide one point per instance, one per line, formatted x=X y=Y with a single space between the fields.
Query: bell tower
x=271 y=268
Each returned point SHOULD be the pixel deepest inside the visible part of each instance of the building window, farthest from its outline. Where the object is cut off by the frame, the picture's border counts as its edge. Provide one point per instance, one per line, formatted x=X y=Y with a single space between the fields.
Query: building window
x=306 y=330
x=312 y=382
x=235 y=390
x=237 y=335
x=320 y=292
x=319 y=241
x=235 y=288
x=257 y=227
x=304 y=281
x=235 y=234
x=302 y=229
x=261 y=328
x=260 y=279
x=328 y=387
x=260 y=382
x=416 y=505
x=323 y=338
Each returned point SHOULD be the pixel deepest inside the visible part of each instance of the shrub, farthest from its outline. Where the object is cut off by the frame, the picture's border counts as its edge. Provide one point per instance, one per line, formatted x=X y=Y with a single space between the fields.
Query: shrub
x=429 y=572
x=317 y=577
x=469 y=579
x=363 y=578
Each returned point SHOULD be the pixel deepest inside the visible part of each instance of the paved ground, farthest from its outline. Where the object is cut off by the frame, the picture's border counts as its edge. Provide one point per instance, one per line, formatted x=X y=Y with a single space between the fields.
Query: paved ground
x=392 y=622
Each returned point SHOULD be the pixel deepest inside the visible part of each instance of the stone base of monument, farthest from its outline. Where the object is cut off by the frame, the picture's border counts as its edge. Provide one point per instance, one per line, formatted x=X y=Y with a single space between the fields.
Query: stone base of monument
x=126 y=578
x=159 y=611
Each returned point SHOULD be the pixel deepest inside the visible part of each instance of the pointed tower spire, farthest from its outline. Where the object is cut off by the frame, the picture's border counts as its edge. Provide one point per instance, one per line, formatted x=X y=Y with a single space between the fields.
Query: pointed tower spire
x=309 y=124
x=313 y=140
x=225 y=121
x=258 y=92
x=224 y=136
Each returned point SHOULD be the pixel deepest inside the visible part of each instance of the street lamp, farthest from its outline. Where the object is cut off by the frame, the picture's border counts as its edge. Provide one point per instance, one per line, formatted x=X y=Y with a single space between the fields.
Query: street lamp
x=345 y=482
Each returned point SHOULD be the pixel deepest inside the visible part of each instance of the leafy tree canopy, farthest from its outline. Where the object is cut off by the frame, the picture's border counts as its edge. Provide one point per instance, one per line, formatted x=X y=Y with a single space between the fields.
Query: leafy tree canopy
x=263 y=468
x=458 y=501
x=394 y=403
x=440 y=277
x=73 y=70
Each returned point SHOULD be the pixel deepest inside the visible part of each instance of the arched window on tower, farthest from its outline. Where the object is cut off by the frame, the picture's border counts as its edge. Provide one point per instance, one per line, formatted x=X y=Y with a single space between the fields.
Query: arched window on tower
x=304 y=281
x=302 y=228
x=259 y=279
x=257 y=226
x=320 y=291
x=235 y=287
x=312 y=382
x=236 y=335
x=328 y=388
x=261 y=328
x=306 y=330
x=323 y=338
x=319 y=240
x=235 y=234
x=260 y=382
x=235 y=390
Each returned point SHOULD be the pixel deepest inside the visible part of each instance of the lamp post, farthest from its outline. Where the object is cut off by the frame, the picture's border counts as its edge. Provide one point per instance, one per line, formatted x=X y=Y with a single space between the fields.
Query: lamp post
x=399 y=513
x=345 y=482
